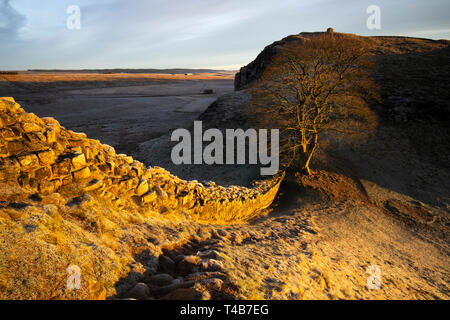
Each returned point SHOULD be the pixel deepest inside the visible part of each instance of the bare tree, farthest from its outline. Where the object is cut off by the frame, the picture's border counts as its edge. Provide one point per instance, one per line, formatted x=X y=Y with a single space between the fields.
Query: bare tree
x=313 y=87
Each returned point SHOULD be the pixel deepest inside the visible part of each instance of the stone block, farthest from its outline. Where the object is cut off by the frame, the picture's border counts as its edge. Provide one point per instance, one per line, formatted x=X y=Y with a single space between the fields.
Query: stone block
x=104 y=168
x=121 y=170
x=100 y=158
x=161 y=193
x=7 y=119
x=49 y=121
x=142 y=188
x=9 y=174
x=35 y=137
x=57 y=147
x=46 y=187
x=62 y=168
x=78 y=161
x=7 y=134
x=139 y=291
x=56 y=183
x=149 y=197
x=44 y=173
x=30 y=118
x=75 y=150
x=24 y=179
x=29 y=160
x=67 y=180
x=128 y=184
x=125 y=158
x=88 y=152
x=166 y=264
x=14 y=147
x=110 y=151
x=51 y=135
x=77 y=135
x=30 y=127
x=54 y=198
x=79 y=143
x=93 y=185
x=34 y=183
x=9 y=105
x=4 y=152
x=81 y=174
x=47 y=157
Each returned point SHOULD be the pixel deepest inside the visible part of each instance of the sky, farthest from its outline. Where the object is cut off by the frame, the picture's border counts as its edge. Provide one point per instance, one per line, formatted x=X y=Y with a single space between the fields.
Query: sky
x=219 y=34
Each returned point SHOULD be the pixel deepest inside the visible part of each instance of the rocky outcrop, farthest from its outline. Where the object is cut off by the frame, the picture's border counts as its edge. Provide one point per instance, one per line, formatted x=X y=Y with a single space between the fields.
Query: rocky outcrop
x=253 y=71
x=40 y=158
x=412 y=72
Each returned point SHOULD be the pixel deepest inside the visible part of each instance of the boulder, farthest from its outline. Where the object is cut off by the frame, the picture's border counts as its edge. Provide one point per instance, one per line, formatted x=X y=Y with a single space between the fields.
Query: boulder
x=213 y=284
x=140 y=291
x=189 y=264
x=166 y=264
x=211 y=265
x=161 y=279
x=183 y=294
x=208 y=254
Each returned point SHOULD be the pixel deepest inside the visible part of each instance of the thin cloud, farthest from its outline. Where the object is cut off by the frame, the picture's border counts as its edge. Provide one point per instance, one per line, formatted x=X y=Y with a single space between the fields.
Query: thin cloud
x=11 y=21
x=195 y=33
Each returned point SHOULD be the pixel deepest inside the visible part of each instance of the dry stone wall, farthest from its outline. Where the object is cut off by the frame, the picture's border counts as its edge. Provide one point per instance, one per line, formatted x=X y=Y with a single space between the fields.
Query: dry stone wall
x=39 y=158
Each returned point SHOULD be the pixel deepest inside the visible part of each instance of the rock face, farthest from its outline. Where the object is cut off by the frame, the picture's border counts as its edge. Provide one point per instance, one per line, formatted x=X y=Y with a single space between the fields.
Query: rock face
x=253 y=71
x=38 y=156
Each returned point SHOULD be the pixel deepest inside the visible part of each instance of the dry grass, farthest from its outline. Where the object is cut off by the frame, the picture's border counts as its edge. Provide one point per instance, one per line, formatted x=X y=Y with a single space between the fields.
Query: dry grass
x=332 y=262
x=39 y=242
x=83 y=77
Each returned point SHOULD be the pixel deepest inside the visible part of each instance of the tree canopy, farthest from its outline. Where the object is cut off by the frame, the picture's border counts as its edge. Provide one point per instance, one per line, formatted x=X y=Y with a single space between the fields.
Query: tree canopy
x=313 y=87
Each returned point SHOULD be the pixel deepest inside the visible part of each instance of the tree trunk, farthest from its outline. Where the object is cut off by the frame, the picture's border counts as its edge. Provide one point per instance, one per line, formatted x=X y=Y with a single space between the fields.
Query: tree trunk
x=315 y=143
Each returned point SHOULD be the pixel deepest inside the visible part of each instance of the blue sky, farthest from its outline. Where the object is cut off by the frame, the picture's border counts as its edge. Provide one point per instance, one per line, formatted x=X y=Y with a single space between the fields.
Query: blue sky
x=189 y=33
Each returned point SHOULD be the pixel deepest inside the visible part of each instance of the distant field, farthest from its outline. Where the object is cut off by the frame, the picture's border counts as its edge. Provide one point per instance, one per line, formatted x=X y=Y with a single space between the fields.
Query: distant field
x=27 y=76
x=120 y=109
